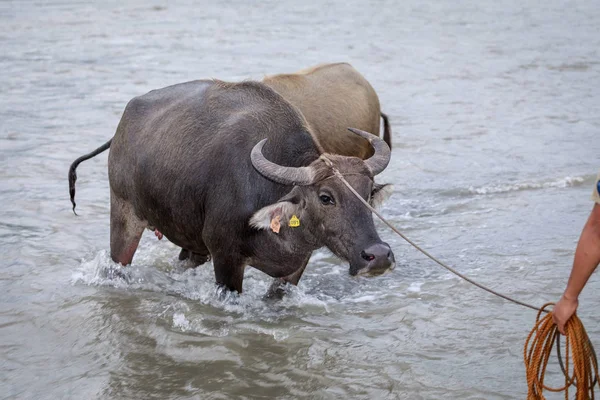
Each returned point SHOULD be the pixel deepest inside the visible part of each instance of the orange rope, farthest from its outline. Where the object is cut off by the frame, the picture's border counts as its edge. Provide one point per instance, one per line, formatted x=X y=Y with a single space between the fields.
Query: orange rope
x=538 y=349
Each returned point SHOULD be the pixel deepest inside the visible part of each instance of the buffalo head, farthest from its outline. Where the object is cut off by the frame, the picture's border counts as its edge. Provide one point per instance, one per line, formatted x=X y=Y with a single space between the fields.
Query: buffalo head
x=329 y=213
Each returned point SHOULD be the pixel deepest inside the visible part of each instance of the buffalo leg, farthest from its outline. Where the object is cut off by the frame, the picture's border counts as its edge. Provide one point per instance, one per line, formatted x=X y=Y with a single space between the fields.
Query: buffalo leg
x=196 y=258
x=125 y=230
x=184 y=254
x=276 y=291
x=229 y=273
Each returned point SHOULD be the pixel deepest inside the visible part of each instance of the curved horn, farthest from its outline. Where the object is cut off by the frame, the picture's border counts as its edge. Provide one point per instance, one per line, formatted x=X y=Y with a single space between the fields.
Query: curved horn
x=301 y=176
x=381 y=158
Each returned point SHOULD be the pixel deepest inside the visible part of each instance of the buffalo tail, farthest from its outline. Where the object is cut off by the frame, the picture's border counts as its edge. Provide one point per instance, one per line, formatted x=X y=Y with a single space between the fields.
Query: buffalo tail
x=73 y=174
x=387 y=130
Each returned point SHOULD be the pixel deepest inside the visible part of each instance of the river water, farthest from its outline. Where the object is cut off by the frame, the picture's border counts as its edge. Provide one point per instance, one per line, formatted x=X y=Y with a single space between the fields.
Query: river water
x=495 y=107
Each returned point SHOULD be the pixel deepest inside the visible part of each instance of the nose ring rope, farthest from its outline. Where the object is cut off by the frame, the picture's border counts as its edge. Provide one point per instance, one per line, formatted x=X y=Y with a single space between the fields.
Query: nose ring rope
x=416 y=246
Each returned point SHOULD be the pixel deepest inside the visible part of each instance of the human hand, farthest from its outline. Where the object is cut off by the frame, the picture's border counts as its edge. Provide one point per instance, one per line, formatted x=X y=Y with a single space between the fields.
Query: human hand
x=563 y=310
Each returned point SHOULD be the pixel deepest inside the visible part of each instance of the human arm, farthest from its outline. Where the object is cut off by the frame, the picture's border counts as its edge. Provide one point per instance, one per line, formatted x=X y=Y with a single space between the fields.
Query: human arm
x=587 y=258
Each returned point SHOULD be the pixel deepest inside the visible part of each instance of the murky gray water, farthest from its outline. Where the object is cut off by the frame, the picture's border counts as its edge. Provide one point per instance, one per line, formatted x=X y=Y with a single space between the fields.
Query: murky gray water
x=496 y=114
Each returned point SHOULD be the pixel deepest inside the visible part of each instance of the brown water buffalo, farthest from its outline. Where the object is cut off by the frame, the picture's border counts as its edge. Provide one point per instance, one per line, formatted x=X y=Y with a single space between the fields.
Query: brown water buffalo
x=332 y=98
x=231 y=170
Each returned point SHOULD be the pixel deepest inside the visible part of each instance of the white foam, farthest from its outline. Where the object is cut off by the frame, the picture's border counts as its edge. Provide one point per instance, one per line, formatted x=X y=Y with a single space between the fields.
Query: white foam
x=100 y=270
x=181 y=322
x=504 y=188
x=365 y=298
x=277 y=334
x=415 y=287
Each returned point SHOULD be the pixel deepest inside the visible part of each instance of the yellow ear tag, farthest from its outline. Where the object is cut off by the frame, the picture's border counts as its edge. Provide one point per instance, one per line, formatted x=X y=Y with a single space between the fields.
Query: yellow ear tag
x=294 y=222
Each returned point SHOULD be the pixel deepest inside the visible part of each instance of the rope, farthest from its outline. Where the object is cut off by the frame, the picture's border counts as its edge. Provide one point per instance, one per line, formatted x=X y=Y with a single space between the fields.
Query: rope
x=444 y=265
x=537 y=351
x=544 y=333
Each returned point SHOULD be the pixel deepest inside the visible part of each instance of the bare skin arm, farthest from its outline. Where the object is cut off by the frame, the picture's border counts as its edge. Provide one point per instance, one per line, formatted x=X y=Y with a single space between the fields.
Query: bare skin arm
x=587 y=258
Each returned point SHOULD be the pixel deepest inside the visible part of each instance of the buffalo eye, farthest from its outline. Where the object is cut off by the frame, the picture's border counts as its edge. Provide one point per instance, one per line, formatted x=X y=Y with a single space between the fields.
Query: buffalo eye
x=326 y=199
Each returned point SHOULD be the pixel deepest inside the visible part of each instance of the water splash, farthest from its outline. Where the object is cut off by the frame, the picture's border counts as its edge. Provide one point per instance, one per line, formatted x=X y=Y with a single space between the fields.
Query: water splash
x=149 y=273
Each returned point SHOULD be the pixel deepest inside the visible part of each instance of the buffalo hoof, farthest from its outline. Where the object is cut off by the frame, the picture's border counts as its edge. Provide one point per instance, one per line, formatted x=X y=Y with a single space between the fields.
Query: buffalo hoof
x=278 y=289
x=227 y=295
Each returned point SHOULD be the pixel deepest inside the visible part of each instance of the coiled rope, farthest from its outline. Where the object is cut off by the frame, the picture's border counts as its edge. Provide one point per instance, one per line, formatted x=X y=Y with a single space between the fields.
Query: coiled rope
x=544 y=333
x=537 y=351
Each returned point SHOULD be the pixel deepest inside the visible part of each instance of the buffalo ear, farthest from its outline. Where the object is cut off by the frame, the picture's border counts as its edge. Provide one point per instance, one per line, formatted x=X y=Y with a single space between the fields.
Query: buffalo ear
x=380 y=193
x=283 y=209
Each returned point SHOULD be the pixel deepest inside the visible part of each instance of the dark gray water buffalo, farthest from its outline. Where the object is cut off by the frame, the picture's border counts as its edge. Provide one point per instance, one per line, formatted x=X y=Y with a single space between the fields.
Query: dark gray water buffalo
x=333 y=97
x=231 y=170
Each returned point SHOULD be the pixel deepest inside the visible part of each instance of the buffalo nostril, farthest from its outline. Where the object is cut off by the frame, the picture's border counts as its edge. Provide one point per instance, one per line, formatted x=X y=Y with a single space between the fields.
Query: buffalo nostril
x=366 y=256
x=391 y=257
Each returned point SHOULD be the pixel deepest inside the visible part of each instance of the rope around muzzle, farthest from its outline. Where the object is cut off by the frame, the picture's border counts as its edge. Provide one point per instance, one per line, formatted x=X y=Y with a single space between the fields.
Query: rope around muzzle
x=544 y=333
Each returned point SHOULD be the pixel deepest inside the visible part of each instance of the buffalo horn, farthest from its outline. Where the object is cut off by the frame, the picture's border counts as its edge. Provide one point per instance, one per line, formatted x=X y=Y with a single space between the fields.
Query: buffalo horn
x=301 y=176
x=381 y=158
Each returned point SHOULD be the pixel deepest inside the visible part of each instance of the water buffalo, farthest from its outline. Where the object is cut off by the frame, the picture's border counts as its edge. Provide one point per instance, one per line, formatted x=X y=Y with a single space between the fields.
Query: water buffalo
x=333 y=97
x=231 y=170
